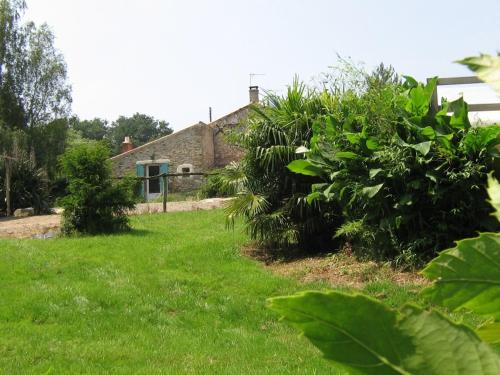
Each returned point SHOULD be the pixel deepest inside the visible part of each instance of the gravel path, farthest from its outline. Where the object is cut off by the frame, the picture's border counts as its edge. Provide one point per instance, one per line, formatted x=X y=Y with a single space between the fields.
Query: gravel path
x=48 y=225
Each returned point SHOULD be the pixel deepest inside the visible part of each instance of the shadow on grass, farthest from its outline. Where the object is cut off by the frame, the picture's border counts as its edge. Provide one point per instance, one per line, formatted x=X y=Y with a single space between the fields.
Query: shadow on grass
x=270 y=255
x=138 y=232
x=132 y=232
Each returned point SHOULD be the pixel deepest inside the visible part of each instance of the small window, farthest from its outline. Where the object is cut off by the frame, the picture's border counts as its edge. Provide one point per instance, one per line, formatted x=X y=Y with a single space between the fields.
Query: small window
x=186 y=170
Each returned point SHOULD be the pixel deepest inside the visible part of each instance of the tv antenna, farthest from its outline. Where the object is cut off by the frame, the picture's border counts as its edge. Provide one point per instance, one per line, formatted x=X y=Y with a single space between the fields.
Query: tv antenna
x=252 y=75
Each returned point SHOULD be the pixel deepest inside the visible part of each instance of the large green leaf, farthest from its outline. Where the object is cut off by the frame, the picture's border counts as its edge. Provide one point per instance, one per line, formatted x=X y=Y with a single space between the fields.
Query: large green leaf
x=444 y=347
x=305 y=167
x=356 y=332
x=487 y=68
x=371 y=191
x=468 y=276
x=460 y=117
x=363 y=336
x=423 y=147
x=420 y=98
x=346 y=155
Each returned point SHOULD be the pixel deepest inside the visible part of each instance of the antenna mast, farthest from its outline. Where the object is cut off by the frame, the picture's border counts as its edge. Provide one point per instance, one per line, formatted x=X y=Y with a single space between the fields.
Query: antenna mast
x=252 y=75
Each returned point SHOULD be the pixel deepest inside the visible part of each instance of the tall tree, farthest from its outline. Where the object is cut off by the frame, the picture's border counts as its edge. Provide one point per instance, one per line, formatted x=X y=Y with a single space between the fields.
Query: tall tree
x=10 y=13
x=41 y=76
x=141 y=128
x=95 y=129
x=11 y=111
x=34 y=91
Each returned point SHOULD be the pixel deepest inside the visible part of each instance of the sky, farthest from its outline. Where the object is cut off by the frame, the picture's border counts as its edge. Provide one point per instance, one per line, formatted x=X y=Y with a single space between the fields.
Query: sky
x=172 y=59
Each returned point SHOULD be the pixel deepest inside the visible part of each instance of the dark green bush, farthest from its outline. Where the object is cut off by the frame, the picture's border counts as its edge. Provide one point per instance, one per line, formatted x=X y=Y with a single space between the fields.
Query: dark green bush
x=381 y=170
x=407 y=187
x=95 y=203
x=28 y=187
x=272 y=199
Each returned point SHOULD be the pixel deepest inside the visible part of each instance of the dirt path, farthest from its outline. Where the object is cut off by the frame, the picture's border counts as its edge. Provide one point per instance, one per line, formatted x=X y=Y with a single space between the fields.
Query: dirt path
x=48 y=225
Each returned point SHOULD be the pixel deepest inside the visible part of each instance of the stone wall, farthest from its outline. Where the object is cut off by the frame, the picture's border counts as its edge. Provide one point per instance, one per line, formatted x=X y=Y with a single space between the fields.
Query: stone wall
x=191 y=146
x=224 y=152
x=200 y=147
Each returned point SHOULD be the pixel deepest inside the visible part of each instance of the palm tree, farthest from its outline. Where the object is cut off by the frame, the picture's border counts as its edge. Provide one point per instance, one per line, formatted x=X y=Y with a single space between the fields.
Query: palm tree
x=270 y=198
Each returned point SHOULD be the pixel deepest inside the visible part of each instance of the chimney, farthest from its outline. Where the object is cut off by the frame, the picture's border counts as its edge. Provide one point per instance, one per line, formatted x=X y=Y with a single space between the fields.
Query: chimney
x=254 y=94
x=127 y=145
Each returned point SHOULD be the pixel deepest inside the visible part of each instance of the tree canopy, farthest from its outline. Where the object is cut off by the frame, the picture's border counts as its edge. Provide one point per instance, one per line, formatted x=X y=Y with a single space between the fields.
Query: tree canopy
x=140 y=127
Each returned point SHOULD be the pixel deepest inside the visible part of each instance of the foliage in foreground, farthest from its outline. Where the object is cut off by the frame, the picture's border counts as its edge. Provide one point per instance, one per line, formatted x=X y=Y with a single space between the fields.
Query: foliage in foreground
x=413 y=341
x=95 y=204
x=363 y=336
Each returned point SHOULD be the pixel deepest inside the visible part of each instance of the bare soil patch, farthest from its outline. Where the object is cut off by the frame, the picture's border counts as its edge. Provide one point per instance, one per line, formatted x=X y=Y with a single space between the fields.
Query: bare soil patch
x=340 y=269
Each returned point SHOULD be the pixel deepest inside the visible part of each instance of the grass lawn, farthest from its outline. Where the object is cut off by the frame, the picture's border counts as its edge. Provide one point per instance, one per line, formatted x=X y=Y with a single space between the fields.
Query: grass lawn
x=172 y=296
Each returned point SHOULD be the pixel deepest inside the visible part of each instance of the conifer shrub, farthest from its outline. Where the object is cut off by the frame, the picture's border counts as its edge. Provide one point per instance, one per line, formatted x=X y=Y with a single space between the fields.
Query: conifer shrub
x=94 y=203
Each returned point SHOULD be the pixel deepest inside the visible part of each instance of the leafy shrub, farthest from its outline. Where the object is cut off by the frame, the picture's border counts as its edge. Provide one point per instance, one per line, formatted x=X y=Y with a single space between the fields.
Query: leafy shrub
x=215 y=185
x=361 y=335
x=411 y=186
x=29 y=187
x=270 y=197
x=381 y=170
x=95 y=203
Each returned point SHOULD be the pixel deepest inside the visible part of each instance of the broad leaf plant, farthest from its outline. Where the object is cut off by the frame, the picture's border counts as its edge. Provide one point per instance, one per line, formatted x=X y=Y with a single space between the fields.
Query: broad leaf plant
x=361 y=335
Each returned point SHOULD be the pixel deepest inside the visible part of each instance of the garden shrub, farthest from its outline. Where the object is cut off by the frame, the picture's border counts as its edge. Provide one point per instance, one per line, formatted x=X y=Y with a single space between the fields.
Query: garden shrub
x=29 y=186
x=95 y=203
x=408 y=192
x=215 y=186
x=271 y=198
x=381 y=170
x=361 y=335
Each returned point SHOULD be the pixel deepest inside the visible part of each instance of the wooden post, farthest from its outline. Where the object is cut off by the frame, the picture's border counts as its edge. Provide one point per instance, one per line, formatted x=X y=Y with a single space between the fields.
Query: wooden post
x=165 y=188
x=434 y=99
x=166 y=192
x=8 y=173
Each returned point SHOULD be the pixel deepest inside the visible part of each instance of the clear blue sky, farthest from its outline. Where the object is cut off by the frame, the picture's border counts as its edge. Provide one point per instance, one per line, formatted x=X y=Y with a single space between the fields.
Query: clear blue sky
x=172 y=59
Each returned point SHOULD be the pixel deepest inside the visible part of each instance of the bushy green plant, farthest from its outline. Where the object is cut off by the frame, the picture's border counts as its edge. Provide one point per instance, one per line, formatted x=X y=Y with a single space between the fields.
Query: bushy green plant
x=28 y=188
x=412 y=185
x=361 y=335
x=215 y=185
x=270 y=197
x=95 y=203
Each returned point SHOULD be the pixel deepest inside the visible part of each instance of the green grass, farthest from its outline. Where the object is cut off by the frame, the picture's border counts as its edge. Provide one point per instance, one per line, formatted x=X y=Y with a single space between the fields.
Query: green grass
x=172 y=296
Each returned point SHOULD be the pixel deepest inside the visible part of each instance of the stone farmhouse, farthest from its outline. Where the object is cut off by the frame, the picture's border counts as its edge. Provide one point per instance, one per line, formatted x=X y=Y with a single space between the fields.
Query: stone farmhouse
x=195 y=149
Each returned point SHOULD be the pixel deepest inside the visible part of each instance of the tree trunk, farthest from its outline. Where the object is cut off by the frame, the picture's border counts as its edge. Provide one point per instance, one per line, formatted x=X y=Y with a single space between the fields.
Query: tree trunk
x=8 y=172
